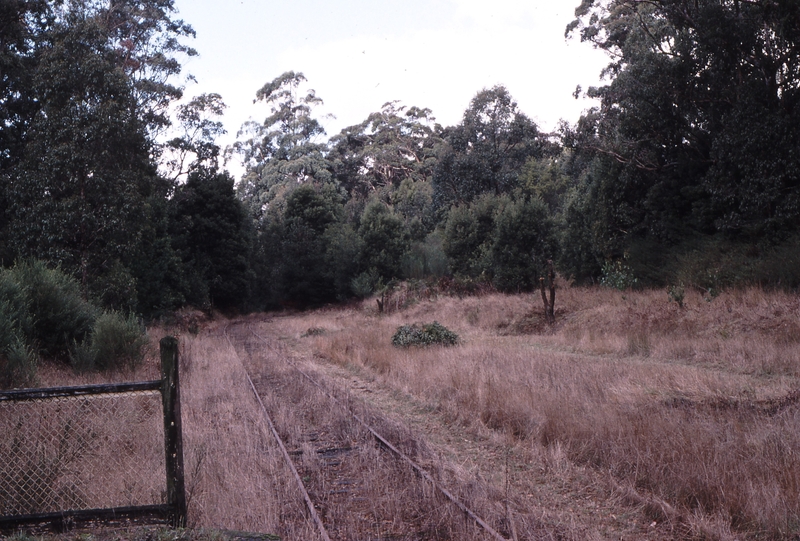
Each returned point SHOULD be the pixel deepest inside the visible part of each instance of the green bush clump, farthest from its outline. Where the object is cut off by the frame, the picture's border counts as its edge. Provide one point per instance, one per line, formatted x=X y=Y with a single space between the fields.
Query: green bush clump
x=46 y=308
x=43 y=314
x=618 y=275
x=424 y=335
x=115 y=341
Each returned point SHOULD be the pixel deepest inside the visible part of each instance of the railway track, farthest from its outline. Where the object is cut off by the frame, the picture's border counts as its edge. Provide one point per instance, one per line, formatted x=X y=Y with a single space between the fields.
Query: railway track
x=360 y=476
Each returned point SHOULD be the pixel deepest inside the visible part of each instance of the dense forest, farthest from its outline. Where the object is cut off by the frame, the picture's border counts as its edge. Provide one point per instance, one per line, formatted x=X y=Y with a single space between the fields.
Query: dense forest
x=686 y=172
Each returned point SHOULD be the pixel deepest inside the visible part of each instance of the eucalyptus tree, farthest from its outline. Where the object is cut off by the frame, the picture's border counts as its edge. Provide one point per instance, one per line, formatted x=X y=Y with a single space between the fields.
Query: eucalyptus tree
x=85 y=167
x=486 y=151
x=148 y=43
x=390 y=146
x=194 y=146
x=284 y=150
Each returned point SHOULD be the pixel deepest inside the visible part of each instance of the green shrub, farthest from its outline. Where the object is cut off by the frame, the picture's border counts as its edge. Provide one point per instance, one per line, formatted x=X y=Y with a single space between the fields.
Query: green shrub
x=115 y=342
x=424 y=335
x=18 y=363
x=618 y=275
x=676 y=294
x=17 y=360
x=366 y=283
x=42 y=313
x=58 y=316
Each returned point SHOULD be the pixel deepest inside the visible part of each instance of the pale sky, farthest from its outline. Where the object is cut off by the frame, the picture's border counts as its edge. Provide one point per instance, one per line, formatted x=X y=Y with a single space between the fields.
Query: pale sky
x=359 y=54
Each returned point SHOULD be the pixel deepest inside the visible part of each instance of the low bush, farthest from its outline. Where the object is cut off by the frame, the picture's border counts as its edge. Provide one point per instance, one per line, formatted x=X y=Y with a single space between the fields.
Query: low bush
x=115 y=342
x=43 y=314
x=18 y=365
x=618 y=275
x=424 y=335
x=51 y=313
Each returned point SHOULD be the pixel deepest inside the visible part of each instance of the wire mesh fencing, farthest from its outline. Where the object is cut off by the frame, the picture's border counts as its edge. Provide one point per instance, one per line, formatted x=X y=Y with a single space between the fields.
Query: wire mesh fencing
x=81 y=452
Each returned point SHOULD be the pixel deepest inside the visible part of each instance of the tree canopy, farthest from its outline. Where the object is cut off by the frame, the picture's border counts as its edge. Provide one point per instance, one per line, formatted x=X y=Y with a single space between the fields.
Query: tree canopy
x=686 y=171
x=699 y=120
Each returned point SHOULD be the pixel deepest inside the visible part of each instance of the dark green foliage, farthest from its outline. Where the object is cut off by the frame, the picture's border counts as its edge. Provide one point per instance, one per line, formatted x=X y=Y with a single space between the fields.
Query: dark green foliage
x=85 y=166
x=211 y=233
x=501 y=240
x=413 y=201
x=366 y=283
x=468 y=235
x=342 y=251
x=755 y=178
x=116 y=341
x=316 y=209
x=267 y=265
x=546 y=179
x=485 y=153
x=161 y=283
x=583 y=221
x=306 y=277
x=84 y=88
x=522 y=243
x=696 y=133
x=383 y=241
x=42 y=314
x=57 y=315
x=424 y=335
x=715 y=263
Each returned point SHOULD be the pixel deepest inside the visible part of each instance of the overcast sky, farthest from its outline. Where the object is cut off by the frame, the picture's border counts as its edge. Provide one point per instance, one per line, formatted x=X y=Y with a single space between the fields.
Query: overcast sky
x=359 y=54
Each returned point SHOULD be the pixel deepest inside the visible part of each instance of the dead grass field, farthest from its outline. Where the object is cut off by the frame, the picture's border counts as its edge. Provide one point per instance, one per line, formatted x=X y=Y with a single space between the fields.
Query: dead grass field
x=631 y=418
x=688 y=415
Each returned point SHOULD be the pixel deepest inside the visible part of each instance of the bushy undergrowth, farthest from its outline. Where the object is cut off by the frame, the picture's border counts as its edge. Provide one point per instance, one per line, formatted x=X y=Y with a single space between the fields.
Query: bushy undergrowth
x=424 y=335
x=44 y=315
x=115 y=341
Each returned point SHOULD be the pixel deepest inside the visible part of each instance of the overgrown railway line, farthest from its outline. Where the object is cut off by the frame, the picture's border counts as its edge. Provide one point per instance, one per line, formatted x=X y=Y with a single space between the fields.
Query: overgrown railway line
x=356 y=483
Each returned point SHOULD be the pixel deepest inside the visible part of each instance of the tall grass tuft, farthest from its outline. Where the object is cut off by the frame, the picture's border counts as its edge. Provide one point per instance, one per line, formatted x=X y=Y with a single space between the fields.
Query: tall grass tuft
x=18 y=365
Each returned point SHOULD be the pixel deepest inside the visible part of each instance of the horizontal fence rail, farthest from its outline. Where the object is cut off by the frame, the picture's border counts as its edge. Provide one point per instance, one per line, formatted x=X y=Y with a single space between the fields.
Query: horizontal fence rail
x=80 y=390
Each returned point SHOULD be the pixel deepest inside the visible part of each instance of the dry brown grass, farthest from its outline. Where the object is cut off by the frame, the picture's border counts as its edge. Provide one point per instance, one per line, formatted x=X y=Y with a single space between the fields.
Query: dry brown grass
x=235 y=476
x=360 y=490
x=693 y=406
x=689 y=415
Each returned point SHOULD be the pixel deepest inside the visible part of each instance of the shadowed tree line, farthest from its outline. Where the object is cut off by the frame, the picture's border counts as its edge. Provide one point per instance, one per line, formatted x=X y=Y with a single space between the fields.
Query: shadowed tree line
x=686 y=171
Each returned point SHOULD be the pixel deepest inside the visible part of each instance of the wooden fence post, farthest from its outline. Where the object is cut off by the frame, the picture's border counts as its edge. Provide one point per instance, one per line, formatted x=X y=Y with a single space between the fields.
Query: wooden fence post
x=173 y=441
